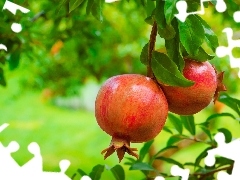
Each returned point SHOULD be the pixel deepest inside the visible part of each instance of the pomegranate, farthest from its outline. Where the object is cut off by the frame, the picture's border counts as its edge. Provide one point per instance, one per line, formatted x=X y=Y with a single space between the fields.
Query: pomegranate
x=190 y=100
x=130 y=108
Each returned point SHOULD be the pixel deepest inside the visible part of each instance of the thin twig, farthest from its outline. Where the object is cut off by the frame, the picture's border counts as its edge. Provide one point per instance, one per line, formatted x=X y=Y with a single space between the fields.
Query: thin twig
x=204 y=175
x=151 y=47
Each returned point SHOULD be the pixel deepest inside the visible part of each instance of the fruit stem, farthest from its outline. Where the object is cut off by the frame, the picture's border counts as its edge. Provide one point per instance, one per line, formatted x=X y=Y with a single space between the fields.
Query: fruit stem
x=120 y=145
x=151 y=47
x=220 y=85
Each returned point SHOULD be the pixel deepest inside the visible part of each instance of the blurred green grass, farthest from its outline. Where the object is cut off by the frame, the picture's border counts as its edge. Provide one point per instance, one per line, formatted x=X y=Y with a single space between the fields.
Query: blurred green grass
x=61 y=133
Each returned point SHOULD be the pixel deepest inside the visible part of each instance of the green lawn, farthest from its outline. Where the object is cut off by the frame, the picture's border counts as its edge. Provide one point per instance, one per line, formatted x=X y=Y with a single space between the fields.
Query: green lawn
x=60 y=133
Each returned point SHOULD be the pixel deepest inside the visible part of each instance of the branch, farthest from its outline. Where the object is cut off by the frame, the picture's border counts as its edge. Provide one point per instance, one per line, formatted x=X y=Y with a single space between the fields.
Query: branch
x=182 y=144
x=204 y=175
x=151 y=47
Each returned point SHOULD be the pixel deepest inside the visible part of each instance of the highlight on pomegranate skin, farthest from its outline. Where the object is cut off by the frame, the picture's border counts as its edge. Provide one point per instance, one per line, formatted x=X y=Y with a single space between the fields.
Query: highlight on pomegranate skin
x=130 y=108
x=191 y=100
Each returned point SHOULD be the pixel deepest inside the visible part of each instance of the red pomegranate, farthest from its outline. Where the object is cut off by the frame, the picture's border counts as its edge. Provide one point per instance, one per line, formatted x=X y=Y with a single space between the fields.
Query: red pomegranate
x=130 y=108
x=190 y=100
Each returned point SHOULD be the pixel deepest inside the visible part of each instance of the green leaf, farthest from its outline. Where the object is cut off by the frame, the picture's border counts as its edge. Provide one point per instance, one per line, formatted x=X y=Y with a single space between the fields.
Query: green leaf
x=131 y=159
x=162 y=150
x=170 y=10
x=170 y=160
x=210 y=36
x=173 y=48
x=191 y=34
x=193 y=5
x=188 y=122
x=176 y=122
x=118 y=172
x=222 y=161
x=166 y=71
x=149 y=20
x=202 y=155
x=89 y=6
x=213 y=116
x=230 y=102
x=201 y=56
x=159 y=15
x=144 y=150
x=207 y=132
x=150 y=6
x=167 y=32
x=165 y=128
x=173 y=139
x=144 y=55
x=96 y=172
x=81 y=172
x=227 y=134
x=13 y=60
x=73 y=4
x=97 y=9
x=60 y=5
x=2 y=78
x=142 y=166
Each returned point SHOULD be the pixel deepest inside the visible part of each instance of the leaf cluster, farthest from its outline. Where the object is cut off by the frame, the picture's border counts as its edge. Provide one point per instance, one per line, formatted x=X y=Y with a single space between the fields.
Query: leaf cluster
x=182 y=40
x=185 y=128
x=96 y=173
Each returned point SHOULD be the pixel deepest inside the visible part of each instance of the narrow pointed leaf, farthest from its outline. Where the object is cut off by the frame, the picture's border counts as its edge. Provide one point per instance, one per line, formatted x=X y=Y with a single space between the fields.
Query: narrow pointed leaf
x=171 y=161
x=202 y=155
x=96 y=172
x=13 y=60
x=170 y=10
x=167 y=32
x=166 y=71
x=164 y=149
x=2 y=78
x=165 y=128
x=173 y=48
x=144 y=55
x=89 y=6
x=207 y=132
x=60 y=5
x=97 y=9
x=159 y=16
x=149 y=7
x=188 y=122
x=144 y=150
x=73 y=4
x=142 y=166
x=213 y=116
x=191 y=34
x=149 y=20
x=173 y=139
x=227 y=134
x=230 y=102
x=176 y=123
x=118 y=172
x=81 y=172
x=201 y=56
x=210 y=36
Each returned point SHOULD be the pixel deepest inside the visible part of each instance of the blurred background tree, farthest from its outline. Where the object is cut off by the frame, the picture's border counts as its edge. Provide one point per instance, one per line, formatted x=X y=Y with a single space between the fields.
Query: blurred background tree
x=64 y=48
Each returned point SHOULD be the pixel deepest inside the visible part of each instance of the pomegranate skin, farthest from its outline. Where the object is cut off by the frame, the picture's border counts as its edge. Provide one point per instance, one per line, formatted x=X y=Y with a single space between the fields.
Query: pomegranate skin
x=191 y=100
x=131 y=107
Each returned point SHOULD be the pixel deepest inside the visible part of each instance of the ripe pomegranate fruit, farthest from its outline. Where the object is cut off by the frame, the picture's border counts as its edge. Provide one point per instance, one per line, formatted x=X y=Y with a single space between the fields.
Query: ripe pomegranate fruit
x=190 y=100
x=130 y=108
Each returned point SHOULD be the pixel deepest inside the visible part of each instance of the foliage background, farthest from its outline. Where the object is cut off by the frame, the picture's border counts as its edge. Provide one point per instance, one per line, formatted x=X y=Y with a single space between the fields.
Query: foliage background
x=54 y=67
